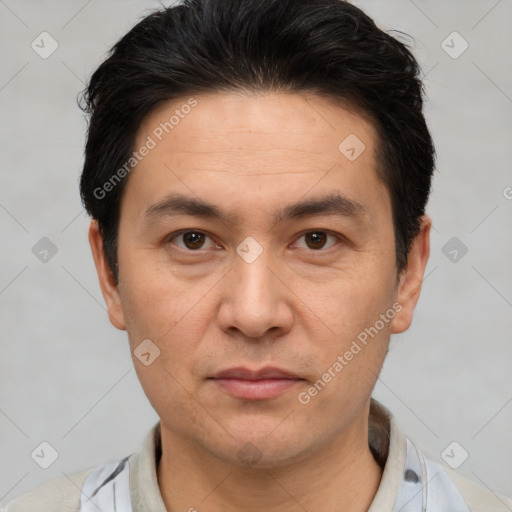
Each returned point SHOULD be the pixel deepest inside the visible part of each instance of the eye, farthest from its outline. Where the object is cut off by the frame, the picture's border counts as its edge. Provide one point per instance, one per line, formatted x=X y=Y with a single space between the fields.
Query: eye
x=192 y=240
x=317 y=240
x=195 y=240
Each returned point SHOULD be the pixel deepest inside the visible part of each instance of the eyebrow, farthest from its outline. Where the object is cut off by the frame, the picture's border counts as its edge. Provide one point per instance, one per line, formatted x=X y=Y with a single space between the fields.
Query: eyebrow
x=333 y=204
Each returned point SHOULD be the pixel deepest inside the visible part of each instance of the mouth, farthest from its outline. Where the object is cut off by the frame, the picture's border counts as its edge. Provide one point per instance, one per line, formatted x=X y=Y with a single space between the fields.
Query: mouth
x=263 y=384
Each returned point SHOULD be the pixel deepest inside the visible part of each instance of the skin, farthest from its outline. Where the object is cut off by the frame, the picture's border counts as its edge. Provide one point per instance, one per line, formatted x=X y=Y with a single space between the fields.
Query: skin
x=297 y=306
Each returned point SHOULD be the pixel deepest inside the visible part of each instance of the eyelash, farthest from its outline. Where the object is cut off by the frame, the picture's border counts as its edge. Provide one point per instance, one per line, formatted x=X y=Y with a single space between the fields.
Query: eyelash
x=339 y=238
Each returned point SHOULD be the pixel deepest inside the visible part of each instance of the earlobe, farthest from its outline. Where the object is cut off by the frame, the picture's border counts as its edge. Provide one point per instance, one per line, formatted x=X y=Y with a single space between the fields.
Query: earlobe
x=108 y=285
x=409 y=287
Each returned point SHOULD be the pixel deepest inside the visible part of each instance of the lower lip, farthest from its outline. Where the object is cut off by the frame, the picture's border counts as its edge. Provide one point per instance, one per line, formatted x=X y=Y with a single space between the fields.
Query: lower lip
x=256 y=389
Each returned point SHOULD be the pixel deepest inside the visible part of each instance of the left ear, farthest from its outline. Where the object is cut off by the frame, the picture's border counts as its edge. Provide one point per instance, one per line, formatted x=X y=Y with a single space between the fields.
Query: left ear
x=411 y=277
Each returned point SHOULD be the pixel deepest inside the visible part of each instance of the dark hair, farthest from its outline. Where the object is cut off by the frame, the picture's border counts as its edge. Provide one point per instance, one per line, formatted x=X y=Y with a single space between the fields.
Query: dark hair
x=328 y=47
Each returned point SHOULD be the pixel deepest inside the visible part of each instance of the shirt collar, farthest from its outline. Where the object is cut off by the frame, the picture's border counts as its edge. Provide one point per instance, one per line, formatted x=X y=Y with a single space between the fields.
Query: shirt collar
x=387 y=443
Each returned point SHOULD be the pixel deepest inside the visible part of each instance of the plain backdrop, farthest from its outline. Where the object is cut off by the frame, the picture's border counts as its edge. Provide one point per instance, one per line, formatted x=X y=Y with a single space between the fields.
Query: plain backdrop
x=66 y=374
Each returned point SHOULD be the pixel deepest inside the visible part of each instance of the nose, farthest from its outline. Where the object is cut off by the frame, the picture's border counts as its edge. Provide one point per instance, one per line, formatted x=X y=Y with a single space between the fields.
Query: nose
x=255 y=300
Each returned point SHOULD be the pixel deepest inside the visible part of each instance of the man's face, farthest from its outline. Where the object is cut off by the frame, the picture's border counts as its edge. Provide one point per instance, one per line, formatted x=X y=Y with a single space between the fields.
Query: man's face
x=264 y=286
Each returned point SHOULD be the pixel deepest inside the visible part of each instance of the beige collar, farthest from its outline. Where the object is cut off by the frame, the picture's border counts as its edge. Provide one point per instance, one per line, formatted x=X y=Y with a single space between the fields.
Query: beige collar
x=387 y=443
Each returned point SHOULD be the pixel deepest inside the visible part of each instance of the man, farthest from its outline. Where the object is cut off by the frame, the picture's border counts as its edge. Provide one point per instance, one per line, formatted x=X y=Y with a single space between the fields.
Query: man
x=257 y=174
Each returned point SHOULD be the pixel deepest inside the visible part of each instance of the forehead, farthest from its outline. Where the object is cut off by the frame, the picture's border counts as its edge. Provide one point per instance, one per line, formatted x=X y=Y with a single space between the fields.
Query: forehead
x=244 y=146
x=238 y=122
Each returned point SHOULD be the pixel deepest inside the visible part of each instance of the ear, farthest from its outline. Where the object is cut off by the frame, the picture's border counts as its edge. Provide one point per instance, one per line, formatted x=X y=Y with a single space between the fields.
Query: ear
x=109 y=288
x=411 y=277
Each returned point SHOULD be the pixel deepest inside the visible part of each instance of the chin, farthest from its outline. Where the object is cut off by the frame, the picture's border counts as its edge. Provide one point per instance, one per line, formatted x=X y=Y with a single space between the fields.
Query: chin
x=258 y=455
x=263 y=446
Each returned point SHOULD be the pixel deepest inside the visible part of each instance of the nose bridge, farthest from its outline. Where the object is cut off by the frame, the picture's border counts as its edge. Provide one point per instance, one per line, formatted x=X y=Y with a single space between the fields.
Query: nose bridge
x=253 y=281
x=253 y=302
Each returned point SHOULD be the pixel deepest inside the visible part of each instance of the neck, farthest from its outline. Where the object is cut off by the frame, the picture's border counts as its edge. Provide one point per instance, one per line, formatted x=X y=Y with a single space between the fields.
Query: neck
x=343 y=475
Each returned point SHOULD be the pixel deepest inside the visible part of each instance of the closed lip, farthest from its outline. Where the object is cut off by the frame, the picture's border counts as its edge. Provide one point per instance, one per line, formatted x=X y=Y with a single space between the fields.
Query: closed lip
x=269 y=372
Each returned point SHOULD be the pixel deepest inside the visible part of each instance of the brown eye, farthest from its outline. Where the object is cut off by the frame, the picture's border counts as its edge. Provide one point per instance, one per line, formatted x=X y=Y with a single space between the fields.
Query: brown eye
x=191 y=241
x=316 y=239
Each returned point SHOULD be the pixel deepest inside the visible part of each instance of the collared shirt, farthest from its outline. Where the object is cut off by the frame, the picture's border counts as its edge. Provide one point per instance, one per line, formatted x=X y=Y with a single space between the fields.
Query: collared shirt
x=410 y=482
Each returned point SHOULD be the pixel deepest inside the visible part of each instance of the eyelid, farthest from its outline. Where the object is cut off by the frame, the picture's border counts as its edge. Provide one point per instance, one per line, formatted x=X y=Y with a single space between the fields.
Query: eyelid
x=338 y=236
x=176 y=234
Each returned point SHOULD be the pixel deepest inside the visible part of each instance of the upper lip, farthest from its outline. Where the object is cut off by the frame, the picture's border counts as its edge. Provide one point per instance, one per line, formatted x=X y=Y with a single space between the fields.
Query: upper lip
x=269 y=372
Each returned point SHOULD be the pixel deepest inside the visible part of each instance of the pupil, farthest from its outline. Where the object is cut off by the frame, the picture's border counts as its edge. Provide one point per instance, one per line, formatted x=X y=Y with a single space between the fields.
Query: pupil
x=195 y=239
x=317 y=240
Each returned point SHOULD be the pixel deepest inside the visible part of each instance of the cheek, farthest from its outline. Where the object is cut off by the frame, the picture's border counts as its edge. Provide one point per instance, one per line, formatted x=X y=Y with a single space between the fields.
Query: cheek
x=358 y=312
x=174 y=314
x=154 y=300
x=167 y=315
x=170 y=393
x=350 y=302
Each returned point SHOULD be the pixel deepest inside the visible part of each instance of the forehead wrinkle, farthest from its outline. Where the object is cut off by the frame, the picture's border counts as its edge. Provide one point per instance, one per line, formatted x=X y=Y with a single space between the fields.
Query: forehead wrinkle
x=237 y=174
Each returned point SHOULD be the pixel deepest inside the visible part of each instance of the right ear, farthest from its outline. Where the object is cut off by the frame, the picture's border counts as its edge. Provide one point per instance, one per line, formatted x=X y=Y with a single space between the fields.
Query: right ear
x=109 y=287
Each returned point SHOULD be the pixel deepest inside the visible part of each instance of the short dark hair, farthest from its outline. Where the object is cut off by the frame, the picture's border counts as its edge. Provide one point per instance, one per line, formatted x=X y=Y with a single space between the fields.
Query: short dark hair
x=327 y=47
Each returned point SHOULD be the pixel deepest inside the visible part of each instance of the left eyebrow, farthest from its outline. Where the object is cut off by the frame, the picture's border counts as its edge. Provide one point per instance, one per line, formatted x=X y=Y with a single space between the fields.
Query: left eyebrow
x=332 y=204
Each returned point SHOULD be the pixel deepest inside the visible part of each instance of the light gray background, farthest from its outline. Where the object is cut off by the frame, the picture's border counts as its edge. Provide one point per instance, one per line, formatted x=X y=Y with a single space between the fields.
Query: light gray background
x=66 y=373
